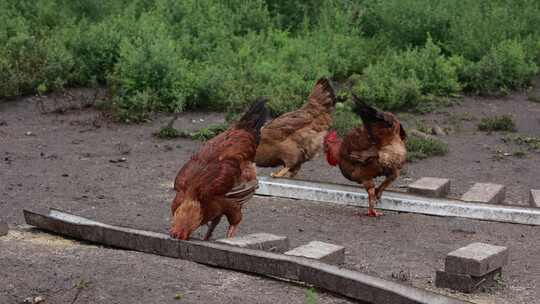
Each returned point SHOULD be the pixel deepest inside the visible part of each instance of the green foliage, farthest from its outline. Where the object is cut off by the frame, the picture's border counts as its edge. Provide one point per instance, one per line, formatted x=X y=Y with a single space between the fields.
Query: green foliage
x=344 y=119
x=531 y=142
x=402 y=79
x=206 y=133
x=168 y=132
x=167 y=55
x=503 y=68
x=503 y=123
x=310 y=296
x=421 y=148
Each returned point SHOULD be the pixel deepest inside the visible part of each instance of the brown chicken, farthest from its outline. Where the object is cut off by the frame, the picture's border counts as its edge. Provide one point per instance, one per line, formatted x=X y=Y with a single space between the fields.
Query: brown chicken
x=219 y=178
x=296 y=137
x=366 y=152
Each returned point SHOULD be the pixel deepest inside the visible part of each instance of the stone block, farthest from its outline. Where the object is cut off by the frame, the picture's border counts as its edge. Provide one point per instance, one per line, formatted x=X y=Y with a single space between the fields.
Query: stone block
x=464 y=282
x=325 y=252
x=260 y=241
x=4 y=229
x=430 y=186
x=485 y=193
x=476 y=259
x=534 y=198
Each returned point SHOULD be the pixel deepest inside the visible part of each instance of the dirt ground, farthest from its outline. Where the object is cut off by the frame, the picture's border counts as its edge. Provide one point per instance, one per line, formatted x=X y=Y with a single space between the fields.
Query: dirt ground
x=71 y=161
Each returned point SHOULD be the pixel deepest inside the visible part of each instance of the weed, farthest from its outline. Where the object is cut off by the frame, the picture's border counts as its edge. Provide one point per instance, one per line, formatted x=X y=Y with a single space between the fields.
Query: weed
x=167 y=132
x=503 y=123
x=178 y=296
x=205 y=134
x=520 y=154
x=310 y=296
x=531 y=142
x=421 y=148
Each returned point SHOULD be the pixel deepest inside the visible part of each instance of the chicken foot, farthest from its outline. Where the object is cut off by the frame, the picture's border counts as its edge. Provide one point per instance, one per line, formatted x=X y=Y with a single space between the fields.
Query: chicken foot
x=211 y=228
x=372 y=199
x=286 y=172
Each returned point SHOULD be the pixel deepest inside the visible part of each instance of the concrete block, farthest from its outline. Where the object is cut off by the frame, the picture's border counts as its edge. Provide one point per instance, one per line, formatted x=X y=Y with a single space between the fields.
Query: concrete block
x=476 y=259
x=260 y=241
x=3 y=229
x=464 y=282
x=430 y=186
x=534 y=198
x=485 y=193
x=329 y=253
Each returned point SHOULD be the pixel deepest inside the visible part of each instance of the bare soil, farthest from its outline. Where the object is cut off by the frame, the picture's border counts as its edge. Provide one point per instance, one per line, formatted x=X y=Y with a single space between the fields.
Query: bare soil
x=72 y=159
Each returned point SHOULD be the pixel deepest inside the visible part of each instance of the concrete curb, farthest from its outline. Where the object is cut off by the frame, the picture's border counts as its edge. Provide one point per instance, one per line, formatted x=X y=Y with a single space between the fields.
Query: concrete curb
x=341 y=281
x=394 y=201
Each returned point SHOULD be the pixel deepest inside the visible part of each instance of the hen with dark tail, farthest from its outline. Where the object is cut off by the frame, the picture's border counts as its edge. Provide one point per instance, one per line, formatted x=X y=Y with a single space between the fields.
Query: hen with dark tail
x=254 y=118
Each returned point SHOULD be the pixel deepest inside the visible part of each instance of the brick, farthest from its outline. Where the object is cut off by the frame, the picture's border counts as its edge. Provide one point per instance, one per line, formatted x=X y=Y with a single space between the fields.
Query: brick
x=534 y=198
x=260 y=241
x=485 y=193
x=329 y=253
x=430 y=186
x=476 y=259
x=464 y=282
x=3 y=229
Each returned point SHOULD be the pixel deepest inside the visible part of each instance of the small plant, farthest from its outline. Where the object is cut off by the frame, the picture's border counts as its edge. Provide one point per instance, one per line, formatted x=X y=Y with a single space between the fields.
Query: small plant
x=503 y=123
x=310 y=296
x=520 y=154
x=421 y=148
x=205 y=134
x=531 y=142
x=167 y=132
x=178 y=296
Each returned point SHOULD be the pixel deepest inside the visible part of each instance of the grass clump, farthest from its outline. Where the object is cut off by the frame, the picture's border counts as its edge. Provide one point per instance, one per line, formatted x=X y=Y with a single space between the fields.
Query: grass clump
x=531 y=142
x=503 y=123
x=206 y=133
x=167 y=132
x=421 y=148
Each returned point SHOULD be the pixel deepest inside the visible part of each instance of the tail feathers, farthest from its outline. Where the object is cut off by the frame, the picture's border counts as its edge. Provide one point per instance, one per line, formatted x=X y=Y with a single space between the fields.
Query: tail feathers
x=254 y=118
x=368 y=113
x=323 y=93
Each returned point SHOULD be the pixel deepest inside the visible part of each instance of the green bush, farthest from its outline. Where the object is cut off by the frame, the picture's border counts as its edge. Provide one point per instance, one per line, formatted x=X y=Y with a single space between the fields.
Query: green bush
x=344 y=119
x=178 y=55
x=401 y=79
x=503 y=68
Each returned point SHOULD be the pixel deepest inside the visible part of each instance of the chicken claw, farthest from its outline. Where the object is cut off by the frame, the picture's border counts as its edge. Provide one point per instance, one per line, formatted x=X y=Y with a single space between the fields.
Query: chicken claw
x=373 y=213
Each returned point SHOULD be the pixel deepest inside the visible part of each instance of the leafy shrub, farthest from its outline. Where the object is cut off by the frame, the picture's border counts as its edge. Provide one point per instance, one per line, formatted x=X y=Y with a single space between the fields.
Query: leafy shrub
x=421 y=148
x=497 y=123
x=206 y=133
x=505 y=67
x=344 y=119
x=400 y=79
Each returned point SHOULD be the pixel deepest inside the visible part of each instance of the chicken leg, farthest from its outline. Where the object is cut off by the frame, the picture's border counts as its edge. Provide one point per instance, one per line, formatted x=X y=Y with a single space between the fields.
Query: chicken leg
x=370 y=188
x=232 y=231
x=211 y=228
x=388 y=180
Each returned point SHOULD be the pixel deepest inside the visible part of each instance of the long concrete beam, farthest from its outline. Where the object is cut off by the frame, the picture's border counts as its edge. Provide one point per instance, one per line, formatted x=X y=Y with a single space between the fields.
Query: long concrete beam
x=348 y=283
x=395 y=201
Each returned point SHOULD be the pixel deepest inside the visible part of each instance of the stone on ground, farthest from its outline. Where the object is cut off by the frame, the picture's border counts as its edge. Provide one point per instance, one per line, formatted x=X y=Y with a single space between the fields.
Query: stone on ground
x=430 y=186
x=325 y=252
x=260 y=241
x=485 y=193
x=476 y=259
x=464 y=282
